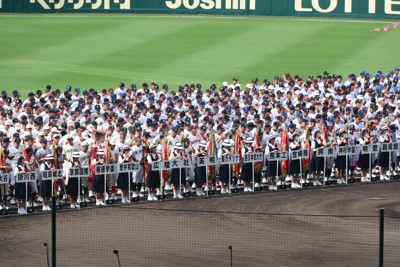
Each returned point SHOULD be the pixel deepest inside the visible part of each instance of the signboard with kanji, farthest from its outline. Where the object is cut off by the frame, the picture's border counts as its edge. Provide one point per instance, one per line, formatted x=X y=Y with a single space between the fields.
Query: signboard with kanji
x=4 y=178
x=180 y=163
x=230 y=159
x=370 y=149
x=78 y=172
x=278 y=155
x=253 y=157
x=26 y=177
x=106 y=169
x=347 y=150
x=206 y=161
x=52 y=174
x=325 y=152
x=128 y=167
x=299 y=154
x=388 y=147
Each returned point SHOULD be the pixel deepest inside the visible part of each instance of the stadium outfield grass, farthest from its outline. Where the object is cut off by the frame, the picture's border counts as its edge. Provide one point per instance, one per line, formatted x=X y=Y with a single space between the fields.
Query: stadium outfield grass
x=100 y=51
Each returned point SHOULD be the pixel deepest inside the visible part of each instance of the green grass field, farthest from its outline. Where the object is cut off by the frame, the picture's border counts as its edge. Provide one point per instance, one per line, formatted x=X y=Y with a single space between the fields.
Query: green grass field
x=101 y=51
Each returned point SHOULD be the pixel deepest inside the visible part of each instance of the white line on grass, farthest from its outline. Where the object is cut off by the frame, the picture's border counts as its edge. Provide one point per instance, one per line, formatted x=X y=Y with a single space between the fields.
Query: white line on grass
x=85 y=15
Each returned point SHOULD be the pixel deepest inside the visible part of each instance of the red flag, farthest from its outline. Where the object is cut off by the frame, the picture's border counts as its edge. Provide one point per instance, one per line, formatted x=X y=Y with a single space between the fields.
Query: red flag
x=307 y=161
x=237 y=150
x=164 y=157
x=93 y=155
x=257 y=165
x=212 y=150
x=285 y=147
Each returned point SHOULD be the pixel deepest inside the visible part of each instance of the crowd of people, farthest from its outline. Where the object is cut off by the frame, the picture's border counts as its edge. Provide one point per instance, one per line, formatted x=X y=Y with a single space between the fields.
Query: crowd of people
x=63 y=129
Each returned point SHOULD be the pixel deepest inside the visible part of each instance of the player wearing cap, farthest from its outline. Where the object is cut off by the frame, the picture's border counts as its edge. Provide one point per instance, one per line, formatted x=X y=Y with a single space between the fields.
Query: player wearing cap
x=84 y=160
x=138 y=176
x=353 y=141
x=15 y=153
x=114 y=157
x=188 y=152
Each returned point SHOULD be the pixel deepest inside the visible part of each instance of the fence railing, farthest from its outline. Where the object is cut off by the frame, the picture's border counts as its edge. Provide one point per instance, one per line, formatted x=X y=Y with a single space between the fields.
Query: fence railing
x=142 y=236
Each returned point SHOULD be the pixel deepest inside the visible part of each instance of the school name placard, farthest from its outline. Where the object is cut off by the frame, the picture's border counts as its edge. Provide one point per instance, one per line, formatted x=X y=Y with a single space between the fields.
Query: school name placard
x=387 y=9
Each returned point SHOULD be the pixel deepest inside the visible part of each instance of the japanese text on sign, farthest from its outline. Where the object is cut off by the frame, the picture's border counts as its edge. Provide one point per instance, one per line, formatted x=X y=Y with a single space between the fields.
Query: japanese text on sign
x=79 y=172
x=26 y=177
x=52 y=174
x=206 y=161
x=230 y=159
x=128 y=167
x=300 y=154
x=253 y=157
x=4 y=178
x=325 y=152
x=278 y=155
x=370 y=149
x=106 y=169
x=347 y=150
x=387 y=147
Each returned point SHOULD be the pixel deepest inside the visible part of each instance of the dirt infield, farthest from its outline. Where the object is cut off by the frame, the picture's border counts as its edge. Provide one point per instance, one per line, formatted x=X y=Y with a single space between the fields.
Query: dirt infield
x=197 y=232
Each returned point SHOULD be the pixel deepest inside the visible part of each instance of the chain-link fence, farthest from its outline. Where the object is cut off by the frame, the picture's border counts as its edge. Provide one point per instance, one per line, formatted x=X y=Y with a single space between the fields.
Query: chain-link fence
x=151 y=236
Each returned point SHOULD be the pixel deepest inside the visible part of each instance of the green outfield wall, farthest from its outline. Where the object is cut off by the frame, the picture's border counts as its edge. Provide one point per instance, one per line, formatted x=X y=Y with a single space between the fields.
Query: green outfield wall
x=375 y=9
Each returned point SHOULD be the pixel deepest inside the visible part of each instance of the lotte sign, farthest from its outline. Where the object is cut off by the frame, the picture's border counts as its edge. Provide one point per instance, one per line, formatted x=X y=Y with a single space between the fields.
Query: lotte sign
x=304 y=6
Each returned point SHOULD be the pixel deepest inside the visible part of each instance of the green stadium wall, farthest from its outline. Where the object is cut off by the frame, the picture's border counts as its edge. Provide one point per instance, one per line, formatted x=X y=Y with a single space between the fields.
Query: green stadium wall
x=373 y=9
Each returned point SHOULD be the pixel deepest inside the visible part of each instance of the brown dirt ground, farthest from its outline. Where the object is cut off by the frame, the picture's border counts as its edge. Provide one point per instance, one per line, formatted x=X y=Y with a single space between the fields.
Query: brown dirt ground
x=198 y=231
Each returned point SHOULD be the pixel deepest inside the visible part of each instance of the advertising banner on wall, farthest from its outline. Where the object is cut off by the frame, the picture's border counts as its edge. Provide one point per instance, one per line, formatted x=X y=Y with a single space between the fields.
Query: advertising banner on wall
x=378 y=9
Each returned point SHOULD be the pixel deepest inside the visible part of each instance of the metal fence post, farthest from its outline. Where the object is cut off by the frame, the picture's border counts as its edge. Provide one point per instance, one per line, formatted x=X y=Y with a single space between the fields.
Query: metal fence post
x=53 y=231
x=381 y=236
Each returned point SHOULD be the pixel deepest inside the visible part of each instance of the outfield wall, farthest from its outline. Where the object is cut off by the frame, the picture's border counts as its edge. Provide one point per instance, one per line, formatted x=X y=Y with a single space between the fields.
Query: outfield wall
x=376 y=9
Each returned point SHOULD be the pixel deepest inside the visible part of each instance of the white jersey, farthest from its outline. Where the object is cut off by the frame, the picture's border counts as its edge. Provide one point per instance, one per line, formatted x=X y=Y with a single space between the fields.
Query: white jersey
x=137 y=153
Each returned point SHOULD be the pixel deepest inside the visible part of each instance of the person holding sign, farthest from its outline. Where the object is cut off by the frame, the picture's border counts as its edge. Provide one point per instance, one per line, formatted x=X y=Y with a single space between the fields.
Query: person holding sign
x=73 y=184
x=225 y=169
x=274 y=167
x=384 y=138
x=247 y=168
x=99 y=179
x=177 y=174
x=123 y=177
x=20 y=188
x=200 y=172
x=295 y=165
x=317 y=163
x=153 y=177
x=364 y=158
x=341 y=163
x=48 y=164
x=5 y=167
